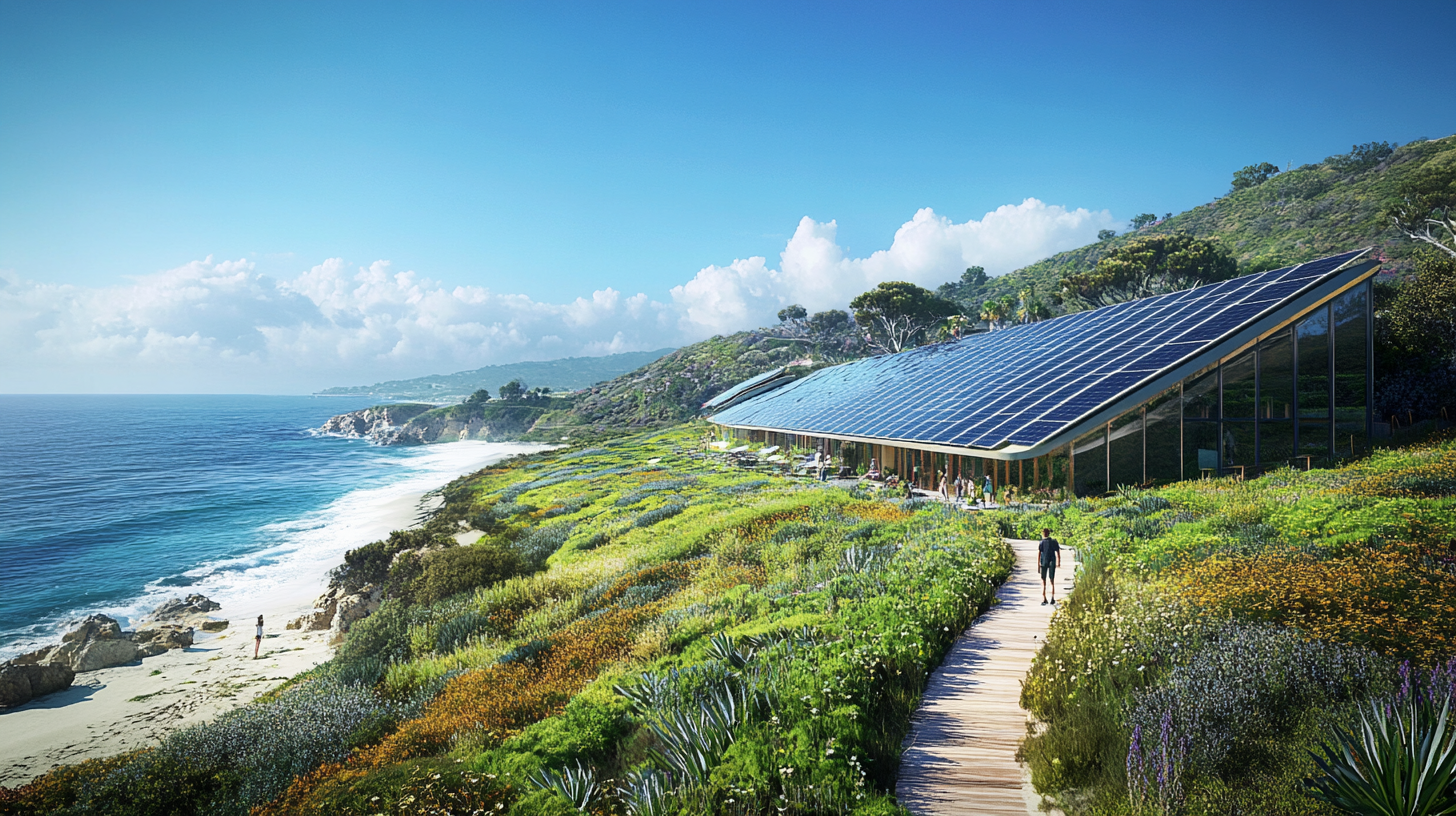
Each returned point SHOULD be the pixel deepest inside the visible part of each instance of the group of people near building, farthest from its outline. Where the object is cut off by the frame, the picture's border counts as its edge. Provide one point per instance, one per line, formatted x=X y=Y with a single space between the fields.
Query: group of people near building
x=958 y=487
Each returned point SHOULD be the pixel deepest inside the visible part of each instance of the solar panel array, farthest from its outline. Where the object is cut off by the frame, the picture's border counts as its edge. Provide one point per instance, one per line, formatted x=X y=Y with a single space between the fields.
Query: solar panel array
x=1027 y=383
x=735 y=390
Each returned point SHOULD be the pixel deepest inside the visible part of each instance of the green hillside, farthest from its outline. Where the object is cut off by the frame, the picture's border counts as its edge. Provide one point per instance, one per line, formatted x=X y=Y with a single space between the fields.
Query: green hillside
x=671 y=389
x=1309 y=212
x=567 y=374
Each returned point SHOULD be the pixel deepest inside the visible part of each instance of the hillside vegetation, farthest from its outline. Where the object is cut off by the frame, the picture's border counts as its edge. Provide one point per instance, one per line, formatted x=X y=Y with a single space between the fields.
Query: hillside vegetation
x=1309 y=212
x=637 y=631
x=1222 y=630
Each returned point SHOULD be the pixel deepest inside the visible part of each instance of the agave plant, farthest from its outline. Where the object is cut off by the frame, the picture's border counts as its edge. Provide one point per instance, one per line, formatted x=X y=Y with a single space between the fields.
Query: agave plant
x=647 y=694
x=578 y=785
x=721 y=647
x=645 y=793
x=1399 y=761
x=690 y=743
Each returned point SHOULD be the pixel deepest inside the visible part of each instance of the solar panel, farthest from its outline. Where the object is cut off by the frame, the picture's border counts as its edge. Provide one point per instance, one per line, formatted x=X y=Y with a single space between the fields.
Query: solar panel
x=735 y=390
x=1024 y=384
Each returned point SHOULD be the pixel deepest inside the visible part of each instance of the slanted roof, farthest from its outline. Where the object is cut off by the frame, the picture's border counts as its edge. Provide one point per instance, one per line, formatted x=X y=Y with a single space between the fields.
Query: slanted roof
x=1023 y=391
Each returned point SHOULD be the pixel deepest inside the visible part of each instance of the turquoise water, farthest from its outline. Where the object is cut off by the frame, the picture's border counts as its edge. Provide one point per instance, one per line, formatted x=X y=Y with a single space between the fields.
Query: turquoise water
x=114 y=503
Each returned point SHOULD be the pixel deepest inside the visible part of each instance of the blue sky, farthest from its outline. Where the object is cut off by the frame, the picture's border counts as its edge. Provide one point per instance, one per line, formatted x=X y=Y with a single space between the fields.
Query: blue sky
x=540 y=155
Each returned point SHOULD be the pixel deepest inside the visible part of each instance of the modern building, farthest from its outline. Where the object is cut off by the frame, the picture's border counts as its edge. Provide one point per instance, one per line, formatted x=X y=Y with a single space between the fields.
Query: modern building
x=1262 y=371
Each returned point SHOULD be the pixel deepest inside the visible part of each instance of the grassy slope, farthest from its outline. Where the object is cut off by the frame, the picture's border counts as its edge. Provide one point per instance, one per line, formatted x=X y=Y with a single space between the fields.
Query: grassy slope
x=1255 y=611
x=668 y=390
x=813 y=614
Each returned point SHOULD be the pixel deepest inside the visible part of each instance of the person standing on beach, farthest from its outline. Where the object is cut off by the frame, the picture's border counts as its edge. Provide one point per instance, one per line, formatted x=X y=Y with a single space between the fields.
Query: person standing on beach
x=258 y=640
x=1048 y=558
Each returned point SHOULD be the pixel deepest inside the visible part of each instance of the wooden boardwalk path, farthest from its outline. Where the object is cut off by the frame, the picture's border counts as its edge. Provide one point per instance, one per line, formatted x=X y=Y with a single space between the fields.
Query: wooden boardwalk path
x=960 y=755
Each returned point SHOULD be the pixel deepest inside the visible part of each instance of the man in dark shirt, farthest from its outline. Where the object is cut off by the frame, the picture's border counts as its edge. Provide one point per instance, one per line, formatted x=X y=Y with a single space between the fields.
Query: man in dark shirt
x=1048 y=558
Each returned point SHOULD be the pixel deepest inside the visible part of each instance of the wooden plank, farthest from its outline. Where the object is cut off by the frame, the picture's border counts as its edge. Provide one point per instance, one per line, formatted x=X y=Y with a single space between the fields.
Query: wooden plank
x=960 y=755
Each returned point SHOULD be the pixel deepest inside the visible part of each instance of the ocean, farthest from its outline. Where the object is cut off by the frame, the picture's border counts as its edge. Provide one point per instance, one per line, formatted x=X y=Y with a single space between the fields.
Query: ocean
x=113 y=504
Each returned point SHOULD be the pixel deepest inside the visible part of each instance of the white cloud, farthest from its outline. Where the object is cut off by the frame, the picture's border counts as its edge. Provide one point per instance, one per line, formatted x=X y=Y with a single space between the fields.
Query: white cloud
x=927 y=250
x=220 y=325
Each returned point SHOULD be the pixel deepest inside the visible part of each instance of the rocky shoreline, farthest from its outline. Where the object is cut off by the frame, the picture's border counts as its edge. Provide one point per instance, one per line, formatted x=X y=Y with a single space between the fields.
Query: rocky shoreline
x=98 y=642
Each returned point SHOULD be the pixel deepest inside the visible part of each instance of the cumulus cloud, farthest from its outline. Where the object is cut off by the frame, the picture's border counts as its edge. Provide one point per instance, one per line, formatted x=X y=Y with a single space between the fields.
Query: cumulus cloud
x=928 y=250
x=221 y=325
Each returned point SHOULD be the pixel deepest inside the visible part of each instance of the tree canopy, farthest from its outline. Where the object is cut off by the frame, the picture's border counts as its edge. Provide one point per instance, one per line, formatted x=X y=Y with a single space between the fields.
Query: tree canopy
x=1254 y=175
x=513 y=390
x=1150 y=266
x=1143 y=220
x=895 y=315
x=1422 y=315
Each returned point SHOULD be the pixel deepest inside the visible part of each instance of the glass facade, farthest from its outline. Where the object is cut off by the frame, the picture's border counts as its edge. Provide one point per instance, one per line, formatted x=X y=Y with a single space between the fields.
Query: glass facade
x=1303 y=390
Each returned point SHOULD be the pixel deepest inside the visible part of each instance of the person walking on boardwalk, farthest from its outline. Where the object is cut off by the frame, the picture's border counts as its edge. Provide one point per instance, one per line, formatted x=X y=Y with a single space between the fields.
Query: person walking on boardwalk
x=945 y=487
x=987 y=490
x=1048 y=557
x=258 y=640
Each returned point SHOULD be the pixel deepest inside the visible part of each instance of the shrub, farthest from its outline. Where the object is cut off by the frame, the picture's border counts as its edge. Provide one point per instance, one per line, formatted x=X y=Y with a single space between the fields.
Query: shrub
x=662 y=513
x=458 y=569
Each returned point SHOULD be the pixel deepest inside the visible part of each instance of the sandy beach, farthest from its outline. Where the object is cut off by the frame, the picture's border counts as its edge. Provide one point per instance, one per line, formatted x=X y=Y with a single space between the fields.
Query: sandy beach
x=113 y=710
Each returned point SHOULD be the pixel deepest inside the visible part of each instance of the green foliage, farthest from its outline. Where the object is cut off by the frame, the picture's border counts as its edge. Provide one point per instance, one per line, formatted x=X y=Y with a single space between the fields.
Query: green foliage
x=513 y=390
x=1143 y=220
x=1151 y=266
x=370 y=564
x=896 y=315
x=1254 y=175
x=1361 y=157
x=454 y=570
x=1106 y=235
x=1398 y=761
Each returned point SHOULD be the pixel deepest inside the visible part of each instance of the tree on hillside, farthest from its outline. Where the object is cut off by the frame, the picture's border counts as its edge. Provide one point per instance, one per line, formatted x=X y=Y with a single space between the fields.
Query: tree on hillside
x=480 y=397
x=1150 y=266
x=1425 y=207
x=513 y=390
x=1106 y=235
x=968 y=290
x=1422 y=315
x=895 y=315
x=1253 y=175
x=1140 y=221
x=792 y=313
x=1362 y=157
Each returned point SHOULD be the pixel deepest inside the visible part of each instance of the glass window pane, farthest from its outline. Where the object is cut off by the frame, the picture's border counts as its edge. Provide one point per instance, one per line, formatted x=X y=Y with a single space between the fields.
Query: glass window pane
x=1200 y=449
x=1200 y=396
x=1350 y=367
x=1349 y=437
x=1276 y=376
x=1314 y=439
x=1127 y=449
x=1313 y=335
x=1163 y=438
x=1238 y=387
x=1276 y=444
x=1089 y=465
x=1238 y=444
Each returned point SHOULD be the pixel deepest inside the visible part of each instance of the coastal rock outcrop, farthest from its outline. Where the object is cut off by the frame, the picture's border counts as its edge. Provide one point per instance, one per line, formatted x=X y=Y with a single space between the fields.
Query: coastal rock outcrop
x=161 y=637
x=98 y=642
x=373 y=422
x=339 y=609
x=183 y=609
x=19 y=684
